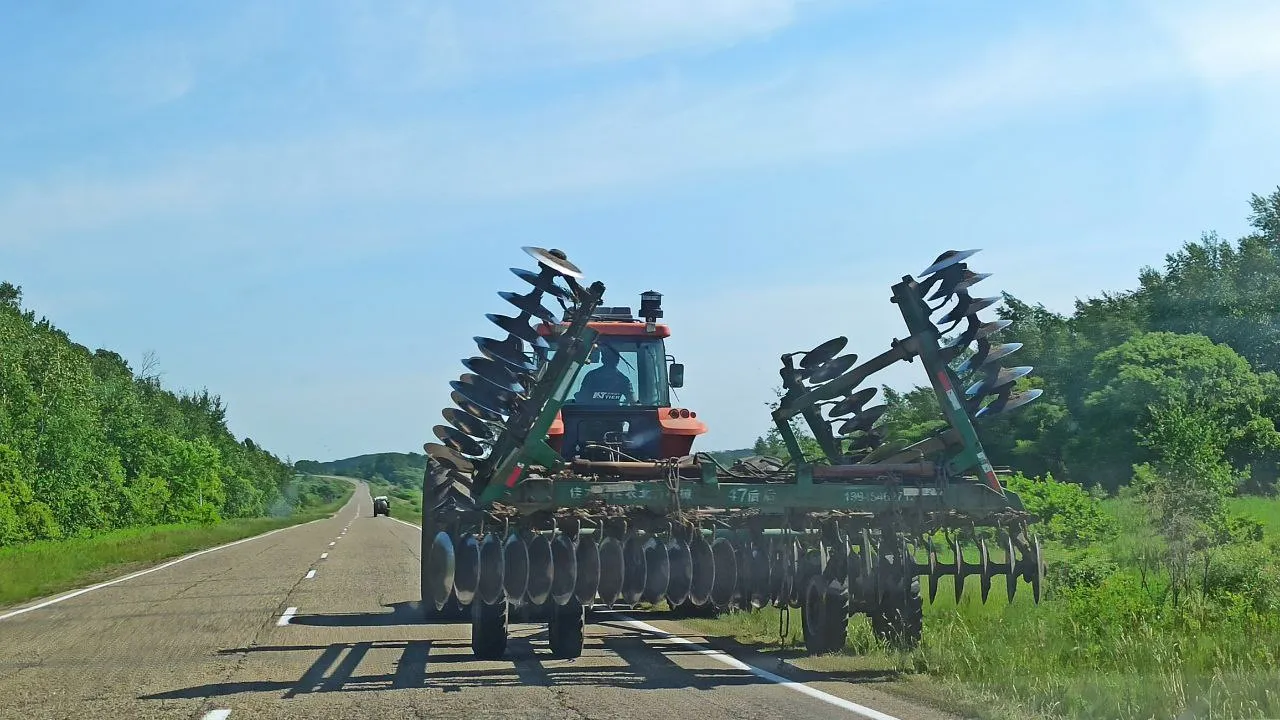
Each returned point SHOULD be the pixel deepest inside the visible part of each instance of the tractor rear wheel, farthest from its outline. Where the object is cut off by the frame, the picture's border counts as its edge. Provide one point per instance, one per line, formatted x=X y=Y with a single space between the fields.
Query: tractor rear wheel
x=899 y=621
x=824 y=618
x=489 y=630
x=566 y=629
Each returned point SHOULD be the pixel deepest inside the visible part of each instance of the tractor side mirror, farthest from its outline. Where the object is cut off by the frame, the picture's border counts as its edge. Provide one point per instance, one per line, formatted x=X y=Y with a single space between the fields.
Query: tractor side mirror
x=675 y=376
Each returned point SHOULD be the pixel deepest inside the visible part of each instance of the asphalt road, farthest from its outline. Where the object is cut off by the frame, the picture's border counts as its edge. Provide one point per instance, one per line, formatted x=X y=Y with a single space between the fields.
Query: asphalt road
x=320 y=621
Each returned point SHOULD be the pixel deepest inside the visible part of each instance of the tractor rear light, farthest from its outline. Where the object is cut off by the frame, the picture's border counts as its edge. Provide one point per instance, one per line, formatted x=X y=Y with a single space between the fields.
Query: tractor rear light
x=693 y=414
x=674 y=413
x=684 y=413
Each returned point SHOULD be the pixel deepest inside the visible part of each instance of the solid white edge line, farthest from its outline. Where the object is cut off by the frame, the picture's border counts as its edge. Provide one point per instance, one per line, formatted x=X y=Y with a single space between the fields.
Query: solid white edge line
x=402 y=522
x=310 y=574
x=737 y=664
x=286 y=617
x=219 y=714
x=171 y=563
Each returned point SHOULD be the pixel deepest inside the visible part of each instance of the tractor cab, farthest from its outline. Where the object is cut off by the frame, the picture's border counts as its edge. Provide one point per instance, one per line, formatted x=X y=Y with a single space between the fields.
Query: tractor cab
x=619 y=406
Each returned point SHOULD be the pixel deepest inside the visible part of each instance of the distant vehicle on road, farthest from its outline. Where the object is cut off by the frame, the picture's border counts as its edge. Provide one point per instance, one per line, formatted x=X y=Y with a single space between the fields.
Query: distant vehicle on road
x=381 y=506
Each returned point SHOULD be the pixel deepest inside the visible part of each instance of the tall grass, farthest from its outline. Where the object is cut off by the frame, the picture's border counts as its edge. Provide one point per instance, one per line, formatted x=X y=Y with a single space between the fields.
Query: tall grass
x=43 y=568
x=1106 y=641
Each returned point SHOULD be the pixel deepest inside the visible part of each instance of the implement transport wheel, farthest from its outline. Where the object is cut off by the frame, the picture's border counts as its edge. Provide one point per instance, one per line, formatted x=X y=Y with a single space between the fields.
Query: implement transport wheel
x=489 y=630
x=824 y=617
x=565 y=631
x=899 y=621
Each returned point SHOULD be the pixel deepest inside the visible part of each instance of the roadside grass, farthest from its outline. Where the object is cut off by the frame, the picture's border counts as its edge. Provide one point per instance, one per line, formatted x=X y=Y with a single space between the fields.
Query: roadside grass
x=1105 y=642
x=45 y=568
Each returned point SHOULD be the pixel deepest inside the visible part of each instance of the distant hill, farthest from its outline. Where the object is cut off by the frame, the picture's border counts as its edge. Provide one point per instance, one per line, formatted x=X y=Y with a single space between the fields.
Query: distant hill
x=405 y=469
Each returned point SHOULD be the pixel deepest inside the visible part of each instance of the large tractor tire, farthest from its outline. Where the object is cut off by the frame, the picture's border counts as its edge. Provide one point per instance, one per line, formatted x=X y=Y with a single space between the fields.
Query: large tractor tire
x=566 y=629
x=489 y=630
x=899 y=620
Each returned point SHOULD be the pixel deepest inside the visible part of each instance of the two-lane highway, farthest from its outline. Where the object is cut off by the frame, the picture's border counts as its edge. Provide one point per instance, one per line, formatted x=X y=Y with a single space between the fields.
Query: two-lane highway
x=321 y=621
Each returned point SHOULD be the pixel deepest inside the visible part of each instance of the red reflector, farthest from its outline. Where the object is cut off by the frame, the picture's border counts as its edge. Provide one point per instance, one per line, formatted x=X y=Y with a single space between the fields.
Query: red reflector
x=515 y=475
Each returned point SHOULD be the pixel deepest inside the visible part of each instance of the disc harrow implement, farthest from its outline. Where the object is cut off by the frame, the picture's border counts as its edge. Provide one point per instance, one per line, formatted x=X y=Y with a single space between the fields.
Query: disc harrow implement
x=512 y=520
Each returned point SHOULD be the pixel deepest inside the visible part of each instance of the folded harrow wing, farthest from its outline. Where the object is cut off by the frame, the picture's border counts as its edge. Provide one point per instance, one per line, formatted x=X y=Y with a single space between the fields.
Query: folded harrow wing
x=508 y=521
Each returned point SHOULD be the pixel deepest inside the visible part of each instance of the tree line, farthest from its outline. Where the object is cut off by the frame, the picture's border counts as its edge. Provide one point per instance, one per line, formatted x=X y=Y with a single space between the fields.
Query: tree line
x=87 y=445
x=1176 y=377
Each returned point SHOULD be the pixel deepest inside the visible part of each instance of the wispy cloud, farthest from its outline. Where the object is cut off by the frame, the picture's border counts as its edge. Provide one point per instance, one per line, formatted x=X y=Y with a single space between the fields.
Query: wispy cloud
x=657 y=129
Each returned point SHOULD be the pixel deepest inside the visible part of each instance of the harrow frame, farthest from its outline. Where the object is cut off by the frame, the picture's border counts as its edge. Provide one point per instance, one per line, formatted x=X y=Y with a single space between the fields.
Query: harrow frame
x=835 y=538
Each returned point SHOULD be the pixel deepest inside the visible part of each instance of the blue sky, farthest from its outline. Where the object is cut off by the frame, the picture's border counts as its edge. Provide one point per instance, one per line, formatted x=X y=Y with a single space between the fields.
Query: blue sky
x=309 y=206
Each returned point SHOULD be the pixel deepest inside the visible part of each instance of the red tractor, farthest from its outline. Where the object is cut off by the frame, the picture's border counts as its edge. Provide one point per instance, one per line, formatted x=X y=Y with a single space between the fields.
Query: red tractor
x=619 y=407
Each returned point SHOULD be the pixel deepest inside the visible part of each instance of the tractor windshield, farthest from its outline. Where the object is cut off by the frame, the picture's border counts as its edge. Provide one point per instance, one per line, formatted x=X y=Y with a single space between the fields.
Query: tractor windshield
x=623 y=371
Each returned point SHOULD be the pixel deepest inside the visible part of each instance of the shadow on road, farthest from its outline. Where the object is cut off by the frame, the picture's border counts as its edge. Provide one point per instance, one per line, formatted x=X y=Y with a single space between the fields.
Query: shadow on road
x=402 y=613
x=629 y=660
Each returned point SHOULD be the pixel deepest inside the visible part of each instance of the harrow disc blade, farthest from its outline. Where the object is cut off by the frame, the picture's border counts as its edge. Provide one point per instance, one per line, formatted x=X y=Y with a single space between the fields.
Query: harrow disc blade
x=634 y=569
x=448 y=457
x=967 y=307
x=481 y=397
x=657 y=564
x=441 y=566
x=960 y=569
x=542 y=282
x=555 y=260
x=540 y=569
x=564 y=564
x=489 y=591
x=702 y=570
x=1010 y=402
x=466 y=577
x=978 y=358
x=680 y=578
x=509 y=352
x=587 y=558
x=495 y=373
x=832 y=369
x=970 y=279
x=989 y=385
x=469 y=424
x=515 y=568
x=457 y=440
x=612 y=571
x=852 y=404
x=863 y=420
x=947 y=259
x=519 y=328
x=991 y=328
x=473 y=409
x=948 y=281
x=529 y=305
x=746 y=578
x=1002 y=351
x=823 y=353
x=724 y=583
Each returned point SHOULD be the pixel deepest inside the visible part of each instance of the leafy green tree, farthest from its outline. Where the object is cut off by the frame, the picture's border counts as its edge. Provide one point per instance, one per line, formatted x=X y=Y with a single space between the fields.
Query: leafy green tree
x=1167 y=370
